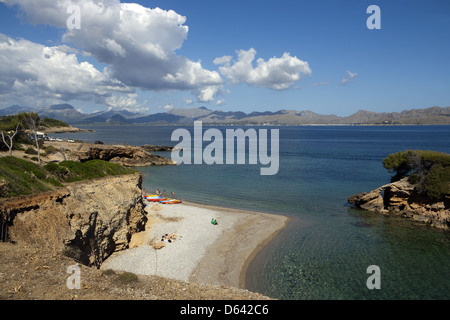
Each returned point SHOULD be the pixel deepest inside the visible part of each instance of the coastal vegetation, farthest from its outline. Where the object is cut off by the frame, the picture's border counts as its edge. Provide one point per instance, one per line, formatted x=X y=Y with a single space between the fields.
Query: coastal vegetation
x=23 y=177
x=429 y=170
x=13 y=134
x=8 y=123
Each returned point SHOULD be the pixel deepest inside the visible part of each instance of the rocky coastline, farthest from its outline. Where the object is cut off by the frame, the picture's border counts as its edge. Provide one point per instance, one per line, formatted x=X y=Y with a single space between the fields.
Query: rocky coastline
x=402 y=198
x=68 y=129
x=129 y=156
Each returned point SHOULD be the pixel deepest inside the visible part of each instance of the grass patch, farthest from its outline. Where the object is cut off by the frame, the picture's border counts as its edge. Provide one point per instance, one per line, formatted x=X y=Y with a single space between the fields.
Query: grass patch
x=24 y=177
x=92 y=169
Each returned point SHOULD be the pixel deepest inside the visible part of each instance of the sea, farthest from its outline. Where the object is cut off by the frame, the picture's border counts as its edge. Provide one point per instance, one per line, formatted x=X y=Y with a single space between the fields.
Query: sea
x=329 y=248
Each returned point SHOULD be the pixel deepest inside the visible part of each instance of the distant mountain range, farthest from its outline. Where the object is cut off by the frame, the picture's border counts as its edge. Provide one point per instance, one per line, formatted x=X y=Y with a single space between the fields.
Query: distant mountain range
x=68 y=114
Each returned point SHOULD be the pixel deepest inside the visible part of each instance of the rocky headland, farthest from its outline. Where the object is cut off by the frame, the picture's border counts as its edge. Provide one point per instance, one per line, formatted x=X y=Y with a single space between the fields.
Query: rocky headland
x=403 y=198
x=129 y=156
x=65 y=129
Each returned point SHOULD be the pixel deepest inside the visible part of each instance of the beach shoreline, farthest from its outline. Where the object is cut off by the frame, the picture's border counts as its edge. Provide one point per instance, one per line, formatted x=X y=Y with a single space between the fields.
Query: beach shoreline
x=230 y=265
x=200 y=251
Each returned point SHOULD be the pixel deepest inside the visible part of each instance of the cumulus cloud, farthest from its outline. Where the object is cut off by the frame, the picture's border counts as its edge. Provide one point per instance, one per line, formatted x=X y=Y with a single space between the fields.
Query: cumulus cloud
x=275 y=73
x=169 y=106
x=31 y=72
x=126 y=102
x=139 y=44
x=349 y=78
x=208 y=94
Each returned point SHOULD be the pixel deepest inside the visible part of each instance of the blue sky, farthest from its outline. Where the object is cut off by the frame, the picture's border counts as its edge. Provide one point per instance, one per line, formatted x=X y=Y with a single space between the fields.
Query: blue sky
x=231 y=55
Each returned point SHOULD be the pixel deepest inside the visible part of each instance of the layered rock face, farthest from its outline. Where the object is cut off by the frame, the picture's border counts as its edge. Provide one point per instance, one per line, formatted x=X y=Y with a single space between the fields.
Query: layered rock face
x=402 y=198
x=86 y=220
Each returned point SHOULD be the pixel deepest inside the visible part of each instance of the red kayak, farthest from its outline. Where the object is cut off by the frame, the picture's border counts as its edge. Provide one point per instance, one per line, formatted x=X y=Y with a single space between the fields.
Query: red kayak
x=170 y=201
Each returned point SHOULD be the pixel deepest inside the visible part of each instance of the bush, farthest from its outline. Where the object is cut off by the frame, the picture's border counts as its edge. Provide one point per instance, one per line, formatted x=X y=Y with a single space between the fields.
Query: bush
x=109 y=272
x=437 y=182
x=31 y=150
x=92 y=169
x=430 y=170
x=128 y=277
x=23 y=177
x=50 y=150
x=56 y=170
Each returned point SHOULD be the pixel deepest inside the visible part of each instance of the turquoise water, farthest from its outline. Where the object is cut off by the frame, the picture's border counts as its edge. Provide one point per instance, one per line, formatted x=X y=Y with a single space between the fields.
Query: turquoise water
x=326 y=248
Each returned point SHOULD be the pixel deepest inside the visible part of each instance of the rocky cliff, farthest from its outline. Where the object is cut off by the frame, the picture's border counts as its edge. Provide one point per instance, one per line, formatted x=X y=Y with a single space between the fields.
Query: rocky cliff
x=86 y=220
x=402 y=198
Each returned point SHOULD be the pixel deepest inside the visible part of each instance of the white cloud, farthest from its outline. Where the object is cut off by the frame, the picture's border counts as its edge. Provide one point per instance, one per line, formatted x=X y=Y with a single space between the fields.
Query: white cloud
x=208 y=94
x=137 y=43
x=350 y=77
x=275 y=73
x=220 y=102
x=223 y=60
x=188 y=101
x=32 y=74
x=126 y=102
x=139 y=46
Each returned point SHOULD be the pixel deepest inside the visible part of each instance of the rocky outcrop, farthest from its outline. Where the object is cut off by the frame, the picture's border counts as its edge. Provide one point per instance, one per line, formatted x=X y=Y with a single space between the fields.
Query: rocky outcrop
x=68 y=129
x=402 y=198
x=86 y=220
x=124 y=155
x=152 y=148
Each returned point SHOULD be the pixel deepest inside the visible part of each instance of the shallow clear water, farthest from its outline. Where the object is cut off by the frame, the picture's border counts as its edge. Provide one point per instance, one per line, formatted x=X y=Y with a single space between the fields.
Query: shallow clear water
x=326 y=249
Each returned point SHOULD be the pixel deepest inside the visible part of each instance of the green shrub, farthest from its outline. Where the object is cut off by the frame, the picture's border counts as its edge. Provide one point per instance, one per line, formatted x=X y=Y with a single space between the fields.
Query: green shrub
x=128 y=277
x=437 y=182
x=26 y=177
x=50 y=150
x=56 y=170
x=109 y=272
x=92 y=169
x=429 y=170
x=18 y=147
x=31 y=150
x=23 y=177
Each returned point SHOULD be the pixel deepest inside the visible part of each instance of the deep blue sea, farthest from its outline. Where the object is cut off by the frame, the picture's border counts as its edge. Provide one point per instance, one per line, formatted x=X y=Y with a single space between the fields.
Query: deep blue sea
x=327 y=247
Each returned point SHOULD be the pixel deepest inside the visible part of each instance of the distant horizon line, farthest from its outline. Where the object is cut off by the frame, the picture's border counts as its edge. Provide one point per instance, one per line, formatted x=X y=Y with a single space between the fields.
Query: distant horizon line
x=216 y=110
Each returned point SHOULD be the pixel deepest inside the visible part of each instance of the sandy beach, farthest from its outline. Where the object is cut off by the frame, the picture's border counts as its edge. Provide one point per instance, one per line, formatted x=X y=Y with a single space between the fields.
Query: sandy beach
x=199 y=251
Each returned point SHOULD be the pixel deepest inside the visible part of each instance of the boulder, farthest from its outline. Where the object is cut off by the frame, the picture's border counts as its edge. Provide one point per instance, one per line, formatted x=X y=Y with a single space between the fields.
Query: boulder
x=372 y=201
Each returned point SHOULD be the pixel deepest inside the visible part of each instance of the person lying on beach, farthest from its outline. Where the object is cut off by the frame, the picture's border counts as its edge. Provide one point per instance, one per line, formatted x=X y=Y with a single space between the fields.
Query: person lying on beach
x=170 y=238
x=214 y=222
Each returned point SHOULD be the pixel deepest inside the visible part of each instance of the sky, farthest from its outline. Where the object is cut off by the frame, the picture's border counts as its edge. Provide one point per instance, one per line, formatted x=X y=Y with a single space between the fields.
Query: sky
x=247 y=55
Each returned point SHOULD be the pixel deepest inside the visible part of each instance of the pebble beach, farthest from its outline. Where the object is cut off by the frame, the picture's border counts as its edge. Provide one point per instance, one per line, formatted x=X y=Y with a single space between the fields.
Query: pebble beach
x=198 y=251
